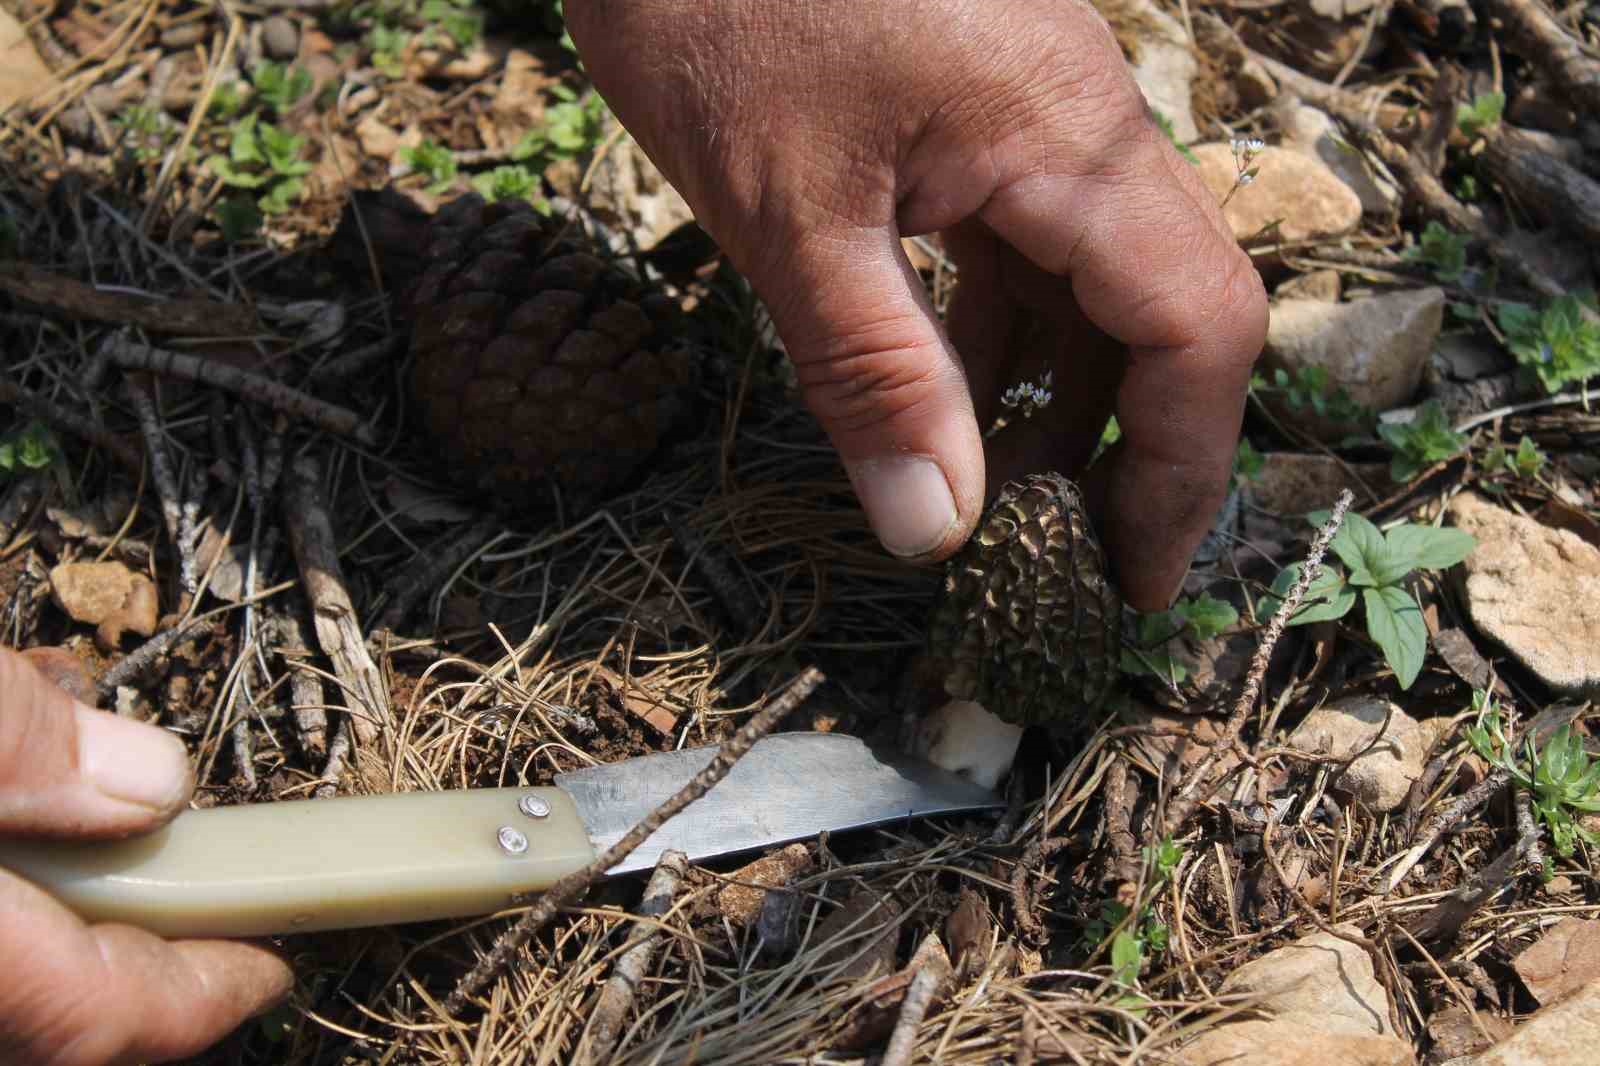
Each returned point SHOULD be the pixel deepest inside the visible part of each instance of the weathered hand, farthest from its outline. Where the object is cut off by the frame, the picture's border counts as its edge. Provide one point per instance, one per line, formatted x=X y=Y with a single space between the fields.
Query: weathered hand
x=809 y=137
x=89 y=994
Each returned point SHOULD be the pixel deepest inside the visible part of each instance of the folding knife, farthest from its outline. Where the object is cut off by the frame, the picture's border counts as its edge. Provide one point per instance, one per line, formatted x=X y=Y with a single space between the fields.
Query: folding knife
x=303 y=865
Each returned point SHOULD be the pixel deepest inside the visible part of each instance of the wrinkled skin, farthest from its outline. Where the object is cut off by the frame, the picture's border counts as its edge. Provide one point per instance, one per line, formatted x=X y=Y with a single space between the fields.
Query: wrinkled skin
x=810 y=137
x=86 y=995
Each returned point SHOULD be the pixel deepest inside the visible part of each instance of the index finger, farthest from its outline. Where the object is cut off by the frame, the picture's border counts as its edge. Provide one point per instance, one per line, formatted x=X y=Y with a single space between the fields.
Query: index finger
x=1153 y=264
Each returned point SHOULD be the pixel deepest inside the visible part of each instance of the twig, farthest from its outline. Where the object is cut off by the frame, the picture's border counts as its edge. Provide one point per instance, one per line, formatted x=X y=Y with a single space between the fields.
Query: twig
x=144 y=656
x=306 y=700
x=76 y=299
x=1126 y=864
x=622 y=987
x=717 y=568
x=1190 y=793
x=564 y=891
x=14 y=395
x=412 y=584
x=357 y=360
x=1022 y=901
x=1528 y=828
x=1540 y=39
x=333 y=615
x=931 y=966
x=179 y=530
x=338 y=753
x=337 y=420
x=1445 y=918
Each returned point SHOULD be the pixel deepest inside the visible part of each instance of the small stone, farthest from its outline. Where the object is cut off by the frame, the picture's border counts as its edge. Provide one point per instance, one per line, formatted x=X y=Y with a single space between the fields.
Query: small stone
x=108 y=596
x=280 y=37
x=1286 y=1042
x=1381 y=778
x=1564 y=959
x=1319 y=976
x=1468 y=356
x=1457 y=1031
x=1535 y=591
x=1165 y=68
x=740 y=901
x=1562 y=1034
x=1375 y=349
x=1320 y=285
x=1299 y=193
x=1305 y=129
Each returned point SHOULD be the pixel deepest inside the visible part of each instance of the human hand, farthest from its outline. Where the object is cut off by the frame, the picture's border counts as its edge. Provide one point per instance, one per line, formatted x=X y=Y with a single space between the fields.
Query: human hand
x=810 y=137
x=83 y=995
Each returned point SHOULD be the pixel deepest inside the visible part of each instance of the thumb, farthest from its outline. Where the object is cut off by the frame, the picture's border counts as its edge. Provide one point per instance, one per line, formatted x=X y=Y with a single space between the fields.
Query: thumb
x=67 y=769
x=878 y=373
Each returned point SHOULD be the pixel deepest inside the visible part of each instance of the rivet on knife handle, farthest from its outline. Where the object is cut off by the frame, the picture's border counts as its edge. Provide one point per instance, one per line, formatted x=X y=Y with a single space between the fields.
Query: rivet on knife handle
x=304 y=865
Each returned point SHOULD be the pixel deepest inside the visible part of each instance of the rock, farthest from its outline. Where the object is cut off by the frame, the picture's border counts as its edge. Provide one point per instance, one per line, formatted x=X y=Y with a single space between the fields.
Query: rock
x=740 y=901
x=1535 y=591
x=1564 y=959
x=1468 y=356
x=1456 y=1031
x=65 y=670
x=1305 y=198
x=1165 y=68
x=1293 y=483
x=1305 y=129
x=1380 y=778
x=1318 y=285
x=280 y=37
x=1375 y=349
x=1562 y=1034
x=1285 y=1042
x=1319 y=977
x=22 y=72
x=108 y=596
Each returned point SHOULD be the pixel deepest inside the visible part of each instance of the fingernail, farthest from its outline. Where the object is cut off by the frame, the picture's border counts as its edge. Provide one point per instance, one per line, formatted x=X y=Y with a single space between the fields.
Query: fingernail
x=908 y=502
x=131 y=762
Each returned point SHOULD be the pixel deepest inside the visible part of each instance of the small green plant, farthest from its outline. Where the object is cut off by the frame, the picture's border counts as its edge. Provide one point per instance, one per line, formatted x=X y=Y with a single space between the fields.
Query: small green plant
x=263 y=157
x=457 y=18
x=1421 y=442
x=509 y=183
x=1482 y=115
x=1166 y=127
x=1247 y=462
x=146 y=131
x=572 y=126
x=387 y=44
x=29 y=447
x=1558 y=343
x=1442 y=250
x=1311 y=389
x=1379 y=564
x=227 y=100
x=1524 y=463
x=280 y=86
x=433 y=161
x=1559 y=778
x=1134 y=943
x=1201 y=617
x=239 y=218
x=1245 y=151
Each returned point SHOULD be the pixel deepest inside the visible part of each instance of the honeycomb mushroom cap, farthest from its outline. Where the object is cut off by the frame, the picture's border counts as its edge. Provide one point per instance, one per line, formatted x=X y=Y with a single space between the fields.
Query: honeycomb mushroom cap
x=1029 y=624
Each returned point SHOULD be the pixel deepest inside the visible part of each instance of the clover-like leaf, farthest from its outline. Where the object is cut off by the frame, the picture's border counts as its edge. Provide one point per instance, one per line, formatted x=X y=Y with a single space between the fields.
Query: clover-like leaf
x=1395 y=622
x=1207 y=616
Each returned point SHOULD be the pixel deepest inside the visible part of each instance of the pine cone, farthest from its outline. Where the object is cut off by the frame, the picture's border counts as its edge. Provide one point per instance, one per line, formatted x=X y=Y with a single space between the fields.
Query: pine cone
x=533 y=355
x=1029 y=625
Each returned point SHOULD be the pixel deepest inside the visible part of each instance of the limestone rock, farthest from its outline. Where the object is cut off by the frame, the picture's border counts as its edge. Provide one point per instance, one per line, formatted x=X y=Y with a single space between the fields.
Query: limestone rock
x=1535 y=591
x=1381 y=777
x=1562 y=1034
x=1375 y=348
x=1299 y=193
x=1305 y=129
x=1319 y=980
x=1165 y=69
x=108 y=596
x=740 y=900
x=1317 y=285
x=1286 y=1042
x=1565 y=958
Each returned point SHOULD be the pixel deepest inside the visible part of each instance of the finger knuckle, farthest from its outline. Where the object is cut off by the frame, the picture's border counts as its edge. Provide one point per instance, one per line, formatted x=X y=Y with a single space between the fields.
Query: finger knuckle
x=858 y=384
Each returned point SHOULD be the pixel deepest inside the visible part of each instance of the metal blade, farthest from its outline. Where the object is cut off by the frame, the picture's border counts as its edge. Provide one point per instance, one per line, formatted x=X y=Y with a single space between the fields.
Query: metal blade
x=788 y=787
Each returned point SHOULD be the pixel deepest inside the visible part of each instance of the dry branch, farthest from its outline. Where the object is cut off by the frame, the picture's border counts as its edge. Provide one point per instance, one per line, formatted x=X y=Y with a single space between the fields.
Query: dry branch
x=931 y=968
x=564 y=891
x=1538 y=180
x=180 y=529
x=1539 y=38
x=337 y=420
x=334 y=616
x=622 y=988
x=75 y=299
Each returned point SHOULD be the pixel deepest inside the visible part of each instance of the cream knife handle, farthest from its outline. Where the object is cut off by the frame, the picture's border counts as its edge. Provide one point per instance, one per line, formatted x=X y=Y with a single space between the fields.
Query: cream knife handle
x=303 y=865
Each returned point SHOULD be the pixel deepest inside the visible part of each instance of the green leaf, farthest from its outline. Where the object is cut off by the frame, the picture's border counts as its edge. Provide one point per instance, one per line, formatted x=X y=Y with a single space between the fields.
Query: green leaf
x=1559 y=343
x=1360 y=546
x=1425 y=440
x=1394 y=621
x=1427 y=548
x=1207 y=616
x=1482 y=114
x=1327 y=599
x=1442 y=250
x=1127 y=958
x=239 y=218
x=1247 y=462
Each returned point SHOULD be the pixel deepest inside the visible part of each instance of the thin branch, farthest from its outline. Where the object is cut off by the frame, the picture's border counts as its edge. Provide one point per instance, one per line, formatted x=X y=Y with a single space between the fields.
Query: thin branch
x=622 y=987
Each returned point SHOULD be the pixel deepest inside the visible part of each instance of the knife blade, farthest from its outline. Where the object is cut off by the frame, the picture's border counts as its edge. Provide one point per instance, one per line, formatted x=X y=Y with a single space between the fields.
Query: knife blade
x=345 y=862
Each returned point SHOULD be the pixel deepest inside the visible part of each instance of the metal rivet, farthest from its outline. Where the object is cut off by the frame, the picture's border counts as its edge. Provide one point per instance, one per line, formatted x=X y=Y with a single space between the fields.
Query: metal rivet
x=511 y=840
x=533 y=807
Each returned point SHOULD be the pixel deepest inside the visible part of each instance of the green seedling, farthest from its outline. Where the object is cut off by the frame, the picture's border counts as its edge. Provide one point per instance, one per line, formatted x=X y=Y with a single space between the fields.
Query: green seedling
x=1247 y=462
x=457 y=18
x=227 y=100
x=239 y=218
x=1421 y=442
x=1559 y=777
x=1166 y=127
x=263 y=157
x=280 y=86
x=30 y=447
x=1558 y=343
x=433 y=161
x=387 y=44
x=573 y=125
x=1442 y=250
x=509 y=183
x=1134 y=942
x=1311 y=389
x=1482 y=115
x=1202 y=617
x=1379 y=564
x=145 y=130
x=1524 y=463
